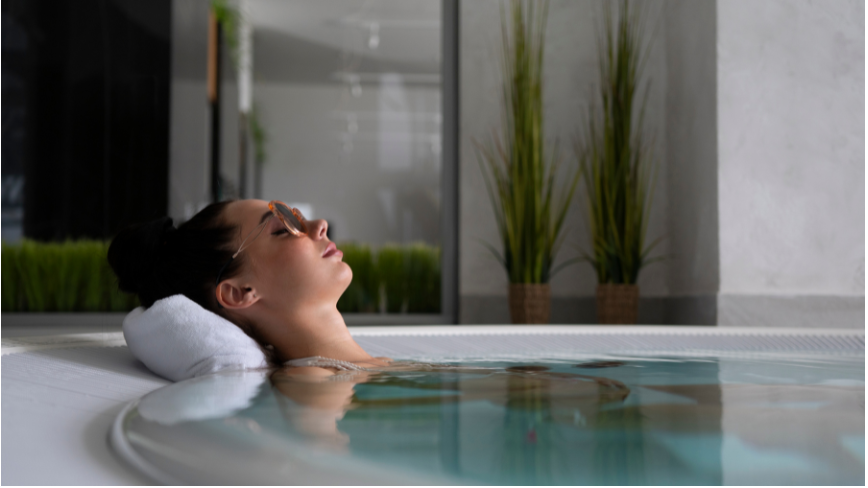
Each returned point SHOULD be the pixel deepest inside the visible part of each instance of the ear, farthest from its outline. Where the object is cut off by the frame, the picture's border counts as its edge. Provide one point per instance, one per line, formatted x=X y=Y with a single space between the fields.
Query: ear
x=235 y=297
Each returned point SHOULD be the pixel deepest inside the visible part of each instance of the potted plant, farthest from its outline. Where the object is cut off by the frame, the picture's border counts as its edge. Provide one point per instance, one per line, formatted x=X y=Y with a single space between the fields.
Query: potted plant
x=520 y=175
x=618 y=169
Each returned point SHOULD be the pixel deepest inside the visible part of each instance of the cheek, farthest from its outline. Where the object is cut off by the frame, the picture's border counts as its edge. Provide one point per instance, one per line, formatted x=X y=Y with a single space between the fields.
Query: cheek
x=299 y=268
x=295 y=267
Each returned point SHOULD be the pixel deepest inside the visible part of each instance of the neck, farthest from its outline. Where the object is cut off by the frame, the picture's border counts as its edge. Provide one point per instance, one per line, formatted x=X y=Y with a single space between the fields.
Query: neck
x=313 y=332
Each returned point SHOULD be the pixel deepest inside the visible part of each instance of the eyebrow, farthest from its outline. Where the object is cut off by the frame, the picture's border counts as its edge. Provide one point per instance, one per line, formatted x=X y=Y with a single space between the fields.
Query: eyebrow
x=265 y=216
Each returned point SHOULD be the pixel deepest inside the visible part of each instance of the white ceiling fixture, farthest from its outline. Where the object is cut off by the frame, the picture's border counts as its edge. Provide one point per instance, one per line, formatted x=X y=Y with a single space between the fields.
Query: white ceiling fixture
x=387 y=78
x=374 y=36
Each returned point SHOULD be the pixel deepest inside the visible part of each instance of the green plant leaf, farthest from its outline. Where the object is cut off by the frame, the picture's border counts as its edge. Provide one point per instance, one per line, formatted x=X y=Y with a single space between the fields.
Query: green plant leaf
x=363 y=294
x=392 y=270
x=494 y=252
x=94 y=297
x=423 y=278
x=11 y=282
x=229 y=17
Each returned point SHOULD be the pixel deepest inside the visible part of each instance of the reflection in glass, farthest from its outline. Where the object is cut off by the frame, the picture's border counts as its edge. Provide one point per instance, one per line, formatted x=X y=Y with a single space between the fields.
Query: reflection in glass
x=350 y=96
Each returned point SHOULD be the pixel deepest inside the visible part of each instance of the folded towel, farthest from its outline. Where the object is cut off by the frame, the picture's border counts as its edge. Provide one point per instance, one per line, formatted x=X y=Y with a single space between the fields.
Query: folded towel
x=178 y=339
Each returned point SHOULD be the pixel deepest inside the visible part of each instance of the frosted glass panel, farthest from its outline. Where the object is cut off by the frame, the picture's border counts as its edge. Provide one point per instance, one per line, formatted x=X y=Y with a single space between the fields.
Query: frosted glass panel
x=349 y=95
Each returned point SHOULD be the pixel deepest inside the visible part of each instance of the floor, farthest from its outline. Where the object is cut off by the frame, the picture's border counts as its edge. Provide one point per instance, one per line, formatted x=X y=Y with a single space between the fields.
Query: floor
x=59 y=403
x=58 y=406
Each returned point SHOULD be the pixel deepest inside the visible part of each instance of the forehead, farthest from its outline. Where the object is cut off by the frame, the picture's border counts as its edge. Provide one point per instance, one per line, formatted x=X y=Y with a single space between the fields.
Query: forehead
x=246 y=213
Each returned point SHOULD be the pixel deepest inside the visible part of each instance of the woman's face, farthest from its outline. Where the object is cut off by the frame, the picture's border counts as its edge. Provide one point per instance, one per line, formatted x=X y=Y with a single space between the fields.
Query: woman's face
x=286 y=270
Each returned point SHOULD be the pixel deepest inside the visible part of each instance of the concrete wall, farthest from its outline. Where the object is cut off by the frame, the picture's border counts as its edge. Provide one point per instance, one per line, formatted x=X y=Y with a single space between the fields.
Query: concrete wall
x=691 y=140
x=791 y=176
x=570 y=75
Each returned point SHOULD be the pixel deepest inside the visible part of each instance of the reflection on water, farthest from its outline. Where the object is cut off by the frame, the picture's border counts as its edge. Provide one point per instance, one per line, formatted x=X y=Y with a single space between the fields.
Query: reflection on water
x=634 y=421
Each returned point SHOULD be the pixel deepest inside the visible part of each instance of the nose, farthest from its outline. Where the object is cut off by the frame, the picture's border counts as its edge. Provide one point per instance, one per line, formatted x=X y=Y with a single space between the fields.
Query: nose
x=318 y=229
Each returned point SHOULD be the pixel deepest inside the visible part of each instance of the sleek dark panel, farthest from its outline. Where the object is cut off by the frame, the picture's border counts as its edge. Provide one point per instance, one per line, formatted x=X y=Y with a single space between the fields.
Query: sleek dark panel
x=14 y=116
x=96 y=144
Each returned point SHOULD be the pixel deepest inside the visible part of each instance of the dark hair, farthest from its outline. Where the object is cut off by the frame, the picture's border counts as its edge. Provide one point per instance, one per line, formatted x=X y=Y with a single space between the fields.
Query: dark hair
x=155 y=260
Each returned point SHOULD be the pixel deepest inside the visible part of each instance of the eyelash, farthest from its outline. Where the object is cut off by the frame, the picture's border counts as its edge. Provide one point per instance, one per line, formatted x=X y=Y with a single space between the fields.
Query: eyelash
x=281 y=231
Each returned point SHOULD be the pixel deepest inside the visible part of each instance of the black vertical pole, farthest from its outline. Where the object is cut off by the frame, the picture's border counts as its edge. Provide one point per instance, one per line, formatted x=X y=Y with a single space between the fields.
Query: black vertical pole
x=449 y=183
x=216 y=195
x=242 y=149
x=257 y=178
x=106 y=122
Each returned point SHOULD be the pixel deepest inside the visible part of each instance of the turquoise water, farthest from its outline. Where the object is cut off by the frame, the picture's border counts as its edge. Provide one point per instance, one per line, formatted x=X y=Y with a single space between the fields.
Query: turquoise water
x=605 y=420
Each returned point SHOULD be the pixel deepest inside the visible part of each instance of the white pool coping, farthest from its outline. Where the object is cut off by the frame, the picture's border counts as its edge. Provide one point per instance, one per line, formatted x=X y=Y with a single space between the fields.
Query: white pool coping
x=15 y=345
x=500 y=329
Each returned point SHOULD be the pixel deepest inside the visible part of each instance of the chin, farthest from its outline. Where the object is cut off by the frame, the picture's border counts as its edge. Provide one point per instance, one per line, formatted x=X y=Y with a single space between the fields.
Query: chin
x=346 y=276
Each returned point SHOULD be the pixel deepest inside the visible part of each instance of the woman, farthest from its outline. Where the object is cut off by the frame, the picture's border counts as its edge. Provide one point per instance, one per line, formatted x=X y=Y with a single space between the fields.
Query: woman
x=260 y=265
x=265 y=268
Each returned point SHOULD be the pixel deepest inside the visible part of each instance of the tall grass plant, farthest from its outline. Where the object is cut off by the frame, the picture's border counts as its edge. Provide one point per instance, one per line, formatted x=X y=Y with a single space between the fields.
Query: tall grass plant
x=616 y=157
x=423 y=278
x=95 y=296
x=390 y=265
x=11 y=295
x=34 y=265
x=393 y=279
x=71 y=276
x=74 y=276
x=519 y=173
x=363 y=294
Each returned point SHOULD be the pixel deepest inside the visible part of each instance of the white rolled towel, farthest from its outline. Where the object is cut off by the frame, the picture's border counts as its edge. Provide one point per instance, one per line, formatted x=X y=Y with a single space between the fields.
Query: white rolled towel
x=178 y=339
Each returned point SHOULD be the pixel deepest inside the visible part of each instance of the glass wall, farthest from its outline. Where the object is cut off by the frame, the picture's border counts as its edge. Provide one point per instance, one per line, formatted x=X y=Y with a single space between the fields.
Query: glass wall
x=348 y=95
x=13 y=113
x=85 y=116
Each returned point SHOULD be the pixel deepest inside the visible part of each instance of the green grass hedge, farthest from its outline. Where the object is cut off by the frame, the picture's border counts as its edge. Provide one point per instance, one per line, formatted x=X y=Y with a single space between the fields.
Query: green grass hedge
x=363 y=294
x=71 y=276
x=403 y=279
x=74 y=276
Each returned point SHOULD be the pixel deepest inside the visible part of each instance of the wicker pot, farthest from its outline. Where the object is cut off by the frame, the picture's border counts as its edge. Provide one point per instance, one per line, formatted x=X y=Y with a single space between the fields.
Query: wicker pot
x=617 y=304
x=529 y=303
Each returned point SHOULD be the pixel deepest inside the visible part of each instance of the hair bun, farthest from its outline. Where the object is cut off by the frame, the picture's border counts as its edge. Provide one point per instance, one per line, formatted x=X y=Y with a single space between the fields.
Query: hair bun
x=136 y=251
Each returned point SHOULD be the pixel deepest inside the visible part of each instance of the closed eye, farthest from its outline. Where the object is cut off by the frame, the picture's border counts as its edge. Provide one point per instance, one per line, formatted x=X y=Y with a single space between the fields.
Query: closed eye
x=281 y=231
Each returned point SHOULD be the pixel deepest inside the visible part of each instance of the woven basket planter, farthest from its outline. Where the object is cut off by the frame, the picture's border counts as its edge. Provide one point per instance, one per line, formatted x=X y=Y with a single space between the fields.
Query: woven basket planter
x=617 y=304
x=530 y=303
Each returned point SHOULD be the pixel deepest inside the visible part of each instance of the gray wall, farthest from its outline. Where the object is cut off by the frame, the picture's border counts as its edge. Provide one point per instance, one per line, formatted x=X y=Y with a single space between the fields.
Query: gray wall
x=570 y=67
x=791 y=105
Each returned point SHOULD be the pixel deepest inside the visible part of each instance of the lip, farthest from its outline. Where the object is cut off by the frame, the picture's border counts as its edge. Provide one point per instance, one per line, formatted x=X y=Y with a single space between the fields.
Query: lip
x=331 y=250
